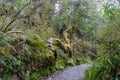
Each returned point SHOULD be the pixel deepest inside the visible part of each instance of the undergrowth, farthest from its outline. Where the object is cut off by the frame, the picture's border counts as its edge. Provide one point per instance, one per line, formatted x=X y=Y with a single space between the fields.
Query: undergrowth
x=106 y=67
x=28 y=58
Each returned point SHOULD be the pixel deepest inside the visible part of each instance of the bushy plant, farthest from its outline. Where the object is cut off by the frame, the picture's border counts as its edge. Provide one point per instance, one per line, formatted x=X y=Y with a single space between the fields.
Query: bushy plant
x=105 y=67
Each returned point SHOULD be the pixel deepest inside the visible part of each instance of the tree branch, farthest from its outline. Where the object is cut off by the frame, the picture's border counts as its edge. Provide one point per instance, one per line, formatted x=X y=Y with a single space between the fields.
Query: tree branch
x=15 y=17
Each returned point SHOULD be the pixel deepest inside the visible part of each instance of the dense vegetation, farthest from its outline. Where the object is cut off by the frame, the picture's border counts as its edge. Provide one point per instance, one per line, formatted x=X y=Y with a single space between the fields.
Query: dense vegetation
x=106 y=66
x=38 y=37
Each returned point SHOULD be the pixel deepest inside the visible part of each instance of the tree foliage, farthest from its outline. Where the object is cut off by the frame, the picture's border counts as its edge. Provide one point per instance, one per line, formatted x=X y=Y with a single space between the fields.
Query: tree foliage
x=106 y=66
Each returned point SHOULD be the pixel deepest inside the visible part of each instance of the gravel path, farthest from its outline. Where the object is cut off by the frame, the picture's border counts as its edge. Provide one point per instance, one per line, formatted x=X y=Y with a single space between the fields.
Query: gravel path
x=70 y=73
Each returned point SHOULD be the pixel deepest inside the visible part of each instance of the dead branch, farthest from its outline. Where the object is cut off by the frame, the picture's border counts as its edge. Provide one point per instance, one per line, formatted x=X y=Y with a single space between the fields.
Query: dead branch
x=12 y=32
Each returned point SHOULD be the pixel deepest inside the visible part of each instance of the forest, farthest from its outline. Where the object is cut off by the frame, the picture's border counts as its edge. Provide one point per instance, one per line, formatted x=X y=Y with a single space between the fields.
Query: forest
x=41 y=37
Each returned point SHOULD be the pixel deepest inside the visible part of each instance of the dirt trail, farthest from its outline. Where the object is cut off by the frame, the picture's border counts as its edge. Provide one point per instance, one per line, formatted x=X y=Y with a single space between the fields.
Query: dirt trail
x=70 y=73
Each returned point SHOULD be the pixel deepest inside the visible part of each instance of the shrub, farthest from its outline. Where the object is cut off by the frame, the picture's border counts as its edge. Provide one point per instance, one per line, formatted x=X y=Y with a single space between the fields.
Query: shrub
x=106 y=67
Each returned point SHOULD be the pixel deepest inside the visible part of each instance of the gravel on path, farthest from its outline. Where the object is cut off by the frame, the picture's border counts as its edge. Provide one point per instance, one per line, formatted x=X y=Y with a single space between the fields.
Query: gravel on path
x=69 y=73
